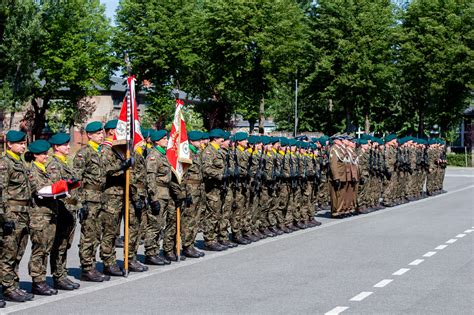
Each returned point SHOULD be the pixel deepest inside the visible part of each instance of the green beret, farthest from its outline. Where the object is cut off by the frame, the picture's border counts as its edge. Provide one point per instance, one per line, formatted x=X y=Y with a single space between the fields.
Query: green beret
x=60 y=138
x=390 y=137
x=226 y=135
x=39 y=146
x=94 y=126
x=252 y=139
x=363 y=141
x=239 y=136
x=292 y=142
x=157 y=135
x=194 y=135
x=265 y=140
x=205 y=135
x=274 y=140
x=216 y=133
x=15 y=136
x=111 y=124
x=284 y=141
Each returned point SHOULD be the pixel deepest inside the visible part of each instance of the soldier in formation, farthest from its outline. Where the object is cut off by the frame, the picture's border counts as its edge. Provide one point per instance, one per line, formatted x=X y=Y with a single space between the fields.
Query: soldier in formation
x=239 y=189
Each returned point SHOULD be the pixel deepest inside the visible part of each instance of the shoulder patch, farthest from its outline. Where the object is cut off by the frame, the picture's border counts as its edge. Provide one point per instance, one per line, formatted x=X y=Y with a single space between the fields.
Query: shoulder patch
x=152 y=158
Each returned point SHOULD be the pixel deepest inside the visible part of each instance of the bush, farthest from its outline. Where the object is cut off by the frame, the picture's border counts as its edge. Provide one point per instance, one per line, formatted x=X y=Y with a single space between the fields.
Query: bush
x=455 y=159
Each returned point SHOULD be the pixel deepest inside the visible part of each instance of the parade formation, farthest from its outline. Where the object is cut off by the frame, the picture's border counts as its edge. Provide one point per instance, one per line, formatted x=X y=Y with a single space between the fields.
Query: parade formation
x=239 y=189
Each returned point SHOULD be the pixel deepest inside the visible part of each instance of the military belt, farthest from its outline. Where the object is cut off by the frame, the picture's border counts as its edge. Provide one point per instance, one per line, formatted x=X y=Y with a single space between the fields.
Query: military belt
x=194 y=181
x=92 y=187
x=24 y=203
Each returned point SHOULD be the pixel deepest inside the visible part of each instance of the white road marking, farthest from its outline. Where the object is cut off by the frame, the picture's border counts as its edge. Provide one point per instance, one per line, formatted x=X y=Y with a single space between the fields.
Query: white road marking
x=452 y=175
x=401 y=271
x=383 y=283
x=440 y=247
x=460 y=235
x=468 y=231
x=429 y=254
x=416 y=262
x=451 y=241
x=359 y=297
x=337 y=310
x=152 y=272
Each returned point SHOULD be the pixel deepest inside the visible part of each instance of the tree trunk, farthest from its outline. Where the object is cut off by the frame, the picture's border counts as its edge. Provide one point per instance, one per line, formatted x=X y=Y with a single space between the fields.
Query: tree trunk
x=261 y=116
x=367 y=123
x=40 y=117
x=251 y=125
x=421 y=122
x=348 y=120
x=12 y=117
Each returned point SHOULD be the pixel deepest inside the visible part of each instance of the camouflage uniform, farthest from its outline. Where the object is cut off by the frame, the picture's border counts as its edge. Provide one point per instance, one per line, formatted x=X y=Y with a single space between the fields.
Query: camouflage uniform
x=113 y=195
x=91 y=173
x=43 y=220
x=240 y=191
x=195 y=189
x=158 y=180
x=362 y=193
x=389 y=194
x=267 y=198
x=213 y=165
x=284 y=188
x=15 y=202
x=58 y=169
x=323 y=198
x=274 y=215
x=138 y=193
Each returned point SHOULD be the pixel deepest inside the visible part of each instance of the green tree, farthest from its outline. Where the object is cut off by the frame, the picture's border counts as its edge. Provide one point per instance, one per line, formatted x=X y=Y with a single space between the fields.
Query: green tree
x=246 y=49
x=351 y=68
x=436 y=61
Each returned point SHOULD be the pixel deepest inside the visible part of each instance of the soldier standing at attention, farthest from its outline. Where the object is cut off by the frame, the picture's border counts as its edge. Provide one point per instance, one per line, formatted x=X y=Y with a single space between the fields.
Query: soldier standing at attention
x=194 y=187
x=115 y=165
x=214 y=164
x=158 y=179
x=15 y=204
x=59 y=168
x=90 y=171
x=337 y=158
x=43 y=218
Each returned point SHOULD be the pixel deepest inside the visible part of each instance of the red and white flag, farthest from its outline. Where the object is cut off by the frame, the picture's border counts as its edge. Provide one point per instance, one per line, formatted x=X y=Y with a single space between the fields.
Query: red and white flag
x=178 y=146
x=128 y=125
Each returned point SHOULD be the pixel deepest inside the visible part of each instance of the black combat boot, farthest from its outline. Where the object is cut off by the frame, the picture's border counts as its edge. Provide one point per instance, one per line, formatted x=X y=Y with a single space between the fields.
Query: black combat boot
x=113 y=271
x=63 y=284
x=42 y=288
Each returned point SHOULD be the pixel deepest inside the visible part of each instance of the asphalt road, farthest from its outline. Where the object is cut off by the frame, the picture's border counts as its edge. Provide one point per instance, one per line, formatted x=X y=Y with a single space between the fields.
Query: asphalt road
x=411 y=259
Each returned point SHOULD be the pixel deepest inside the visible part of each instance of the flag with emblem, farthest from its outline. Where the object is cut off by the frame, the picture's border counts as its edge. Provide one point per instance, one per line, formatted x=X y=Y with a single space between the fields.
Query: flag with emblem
x=178 y=153
x=128 y=126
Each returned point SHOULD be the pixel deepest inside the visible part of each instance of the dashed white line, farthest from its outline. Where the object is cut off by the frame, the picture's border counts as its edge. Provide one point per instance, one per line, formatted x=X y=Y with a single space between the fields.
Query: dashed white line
x=440 y=247
x=429 y=254
x=383 y=283
x=451 y=241
x=359 y=297
x=337 y=310
x=416 y=262
x=468 y=231
x=400 y=272
x=460 y=235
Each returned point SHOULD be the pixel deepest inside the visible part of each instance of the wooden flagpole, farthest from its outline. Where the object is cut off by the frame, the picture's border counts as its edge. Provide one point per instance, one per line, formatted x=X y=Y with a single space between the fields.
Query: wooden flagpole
x=130 y=123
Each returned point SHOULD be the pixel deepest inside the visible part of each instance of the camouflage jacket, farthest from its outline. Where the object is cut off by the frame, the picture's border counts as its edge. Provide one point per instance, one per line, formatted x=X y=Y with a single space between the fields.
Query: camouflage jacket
x=14 y=183
x=139 y=178
x=112 y=160
x=57 y=170
x=40 y=179
x=158 y=175
x=213 y=163
x=91 y=173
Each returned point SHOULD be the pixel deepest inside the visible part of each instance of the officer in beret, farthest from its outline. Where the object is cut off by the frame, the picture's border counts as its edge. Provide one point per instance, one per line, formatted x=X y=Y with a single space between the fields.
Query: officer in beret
x=91 y=171
x=158 y=176
x=194 y=197
x=15 y=205
x=59 y=167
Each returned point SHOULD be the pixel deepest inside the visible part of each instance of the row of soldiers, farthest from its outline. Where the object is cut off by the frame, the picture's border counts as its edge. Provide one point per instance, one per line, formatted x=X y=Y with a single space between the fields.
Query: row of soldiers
x=238 y=189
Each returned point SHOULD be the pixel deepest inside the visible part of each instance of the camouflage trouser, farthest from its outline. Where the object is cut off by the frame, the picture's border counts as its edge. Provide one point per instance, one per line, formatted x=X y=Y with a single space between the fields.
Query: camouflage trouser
x=266 y=201
x=169 y=234
x=42 y=231
x=153 y=229
x=283 y=202
x=191 y=217
x=227 y=200
x=62 y=241
x=134 y=223
x=109 y=219
x=363 y=194
x=250 y=218
x=13 y=247
x=389 y=191
x=323 y=198
x=293 y=212
x=274 y=217
x=237 y=220
x=215 y=224
x=90 y=236
x=430 y=182
x=309 y=210
x=256 y=211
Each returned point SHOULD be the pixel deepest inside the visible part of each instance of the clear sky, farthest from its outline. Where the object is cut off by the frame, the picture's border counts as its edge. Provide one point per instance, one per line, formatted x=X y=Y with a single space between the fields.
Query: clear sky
x=110 y=7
